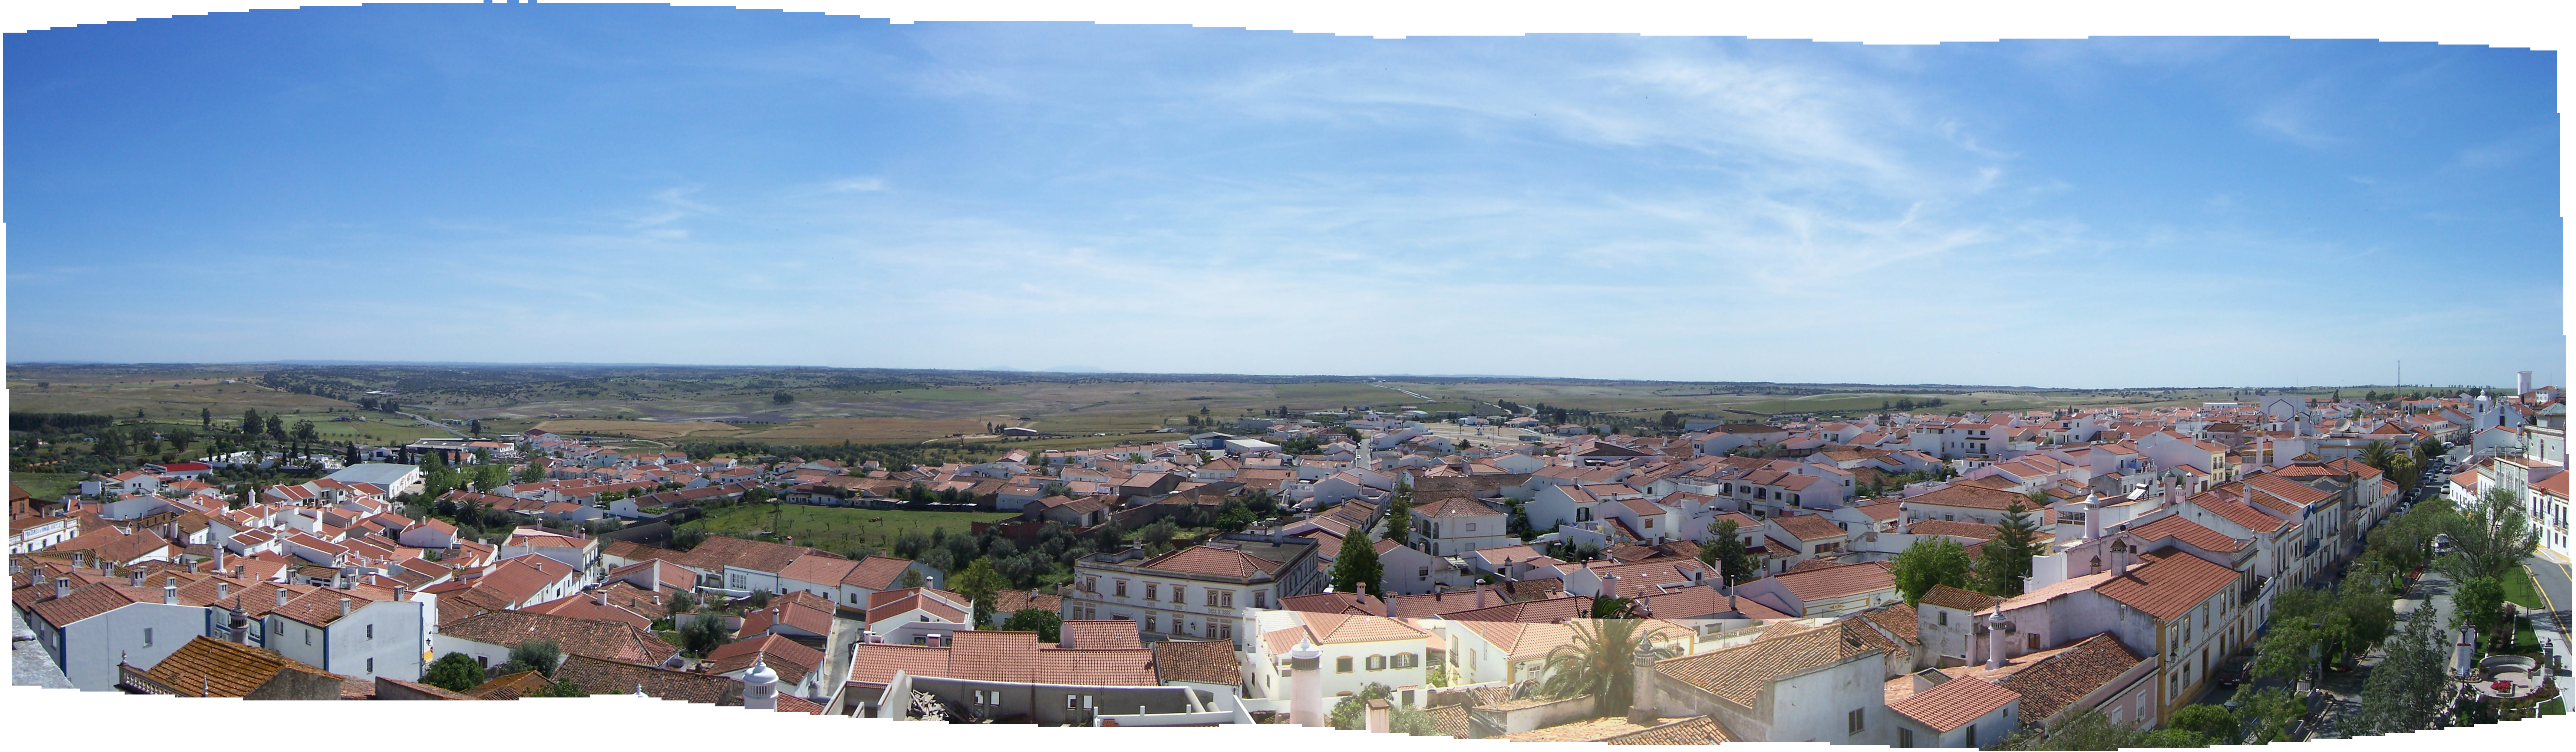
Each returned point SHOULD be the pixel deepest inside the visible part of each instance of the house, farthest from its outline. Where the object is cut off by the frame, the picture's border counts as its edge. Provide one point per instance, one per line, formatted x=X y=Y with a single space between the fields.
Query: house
x=1953 y=712
x=917 y=615
x=1209 y=665
x=1478 y=650
x=799 y=615
x=1358 y=650
x=576 y=551
x=1796 y=538
x=1793 y=683
x=357 y=632
x=395 y=479
x=799 y=668
x=489 y=637
x=1003 y=674
x=1457 y=525
x=1409 y=571
x=1827 y=590
x=90 y=627
x=1195 y=591
x=207 y=667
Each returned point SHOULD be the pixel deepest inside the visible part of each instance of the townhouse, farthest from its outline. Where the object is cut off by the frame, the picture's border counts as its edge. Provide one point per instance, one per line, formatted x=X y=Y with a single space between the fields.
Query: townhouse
x=1196 y=592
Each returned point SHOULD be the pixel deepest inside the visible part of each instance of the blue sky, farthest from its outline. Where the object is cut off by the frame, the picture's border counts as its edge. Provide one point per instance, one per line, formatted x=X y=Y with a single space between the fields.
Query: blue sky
x=585 y=183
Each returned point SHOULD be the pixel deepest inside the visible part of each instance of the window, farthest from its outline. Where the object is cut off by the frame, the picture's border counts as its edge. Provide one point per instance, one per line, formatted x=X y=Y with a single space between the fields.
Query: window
x=1260 y=599
x=1471 y=527
x=1408 y=698
x=1211 y=597
x=1342 y=665
x=1377 y=663
x=371 y=665
x=1176 y=595
x=2034 y=642
x=1225 y=629
x=147 y=637
x=1149 y=591
x=1423 y=574
x=1226 y=600
x=1582 y=514
x=371 y=631
x=1120 y=589
x=1944 y=617
x=738 y=582
x=1853 y=719
x=1090 y=584
x=1904 y=737
x=308 y=637
x=1972 y=735
x=1405 y=660
x=1149 y=623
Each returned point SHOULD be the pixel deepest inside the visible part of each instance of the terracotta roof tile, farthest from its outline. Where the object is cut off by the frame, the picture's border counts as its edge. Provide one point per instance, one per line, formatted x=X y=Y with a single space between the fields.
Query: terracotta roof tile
x=1954 y=703
x=1204 y=661
x=2053 y=683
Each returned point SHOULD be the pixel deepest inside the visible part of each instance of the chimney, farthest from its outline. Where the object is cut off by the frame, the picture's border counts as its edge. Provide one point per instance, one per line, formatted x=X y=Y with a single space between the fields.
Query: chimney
x=2521 y=382
x=1480 y=596
x=240 y=626
x=170 y=591
x=281 y=596
x=760 y=686
x=62 y=587
x=1306 y=686
x=344 y=607
x=1641 y=699
x=192 y=567
x=1378 y=715
x=223 y=589
x=80 y=559
x=1995 y=638
x=402 y=593
x=2092 y=507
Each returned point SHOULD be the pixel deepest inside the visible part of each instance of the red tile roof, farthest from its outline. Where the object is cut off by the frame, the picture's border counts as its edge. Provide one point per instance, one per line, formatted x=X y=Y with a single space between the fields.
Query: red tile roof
x=2169 y=586
x=1954 y=703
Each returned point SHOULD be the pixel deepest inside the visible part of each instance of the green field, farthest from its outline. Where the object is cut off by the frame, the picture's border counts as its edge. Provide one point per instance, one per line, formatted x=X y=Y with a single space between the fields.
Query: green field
x=838 y=529
x=47 y=486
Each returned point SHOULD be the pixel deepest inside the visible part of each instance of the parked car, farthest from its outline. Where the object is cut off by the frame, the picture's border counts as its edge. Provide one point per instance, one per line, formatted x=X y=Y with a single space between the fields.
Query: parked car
x=2233 y=672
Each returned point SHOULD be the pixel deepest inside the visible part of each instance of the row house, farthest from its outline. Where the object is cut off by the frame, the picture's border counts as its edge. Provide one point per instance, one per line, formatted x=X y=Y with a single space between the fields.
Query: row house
x=1196 y=592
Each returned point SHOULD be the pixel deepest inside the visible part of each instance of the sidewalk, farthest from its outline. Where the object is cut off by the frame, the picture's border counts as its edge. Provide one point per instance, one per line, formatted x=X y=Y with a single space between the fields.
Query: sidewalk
x=2547 y=625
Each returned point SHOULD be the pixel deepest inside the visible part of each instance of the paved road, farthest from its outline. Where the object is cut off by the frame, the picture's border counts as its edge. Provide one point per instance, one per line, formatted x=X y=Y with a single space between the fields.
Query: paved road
x=2552 y=579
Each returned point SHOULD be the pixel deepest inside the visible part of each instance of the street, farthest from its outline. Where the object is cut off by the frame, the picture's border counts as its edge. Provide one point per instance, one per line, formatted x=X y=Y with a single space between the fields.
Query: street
x=2551 y=626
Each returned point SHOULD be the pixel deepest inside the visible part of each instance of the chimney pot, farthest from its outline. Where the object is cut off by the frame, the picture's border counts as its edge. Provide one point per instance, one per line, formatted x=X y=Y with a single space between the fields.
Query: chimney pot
x=62 y=587
x=135 y=577
x=281 y=596
x=344 y=607
x=170 y=591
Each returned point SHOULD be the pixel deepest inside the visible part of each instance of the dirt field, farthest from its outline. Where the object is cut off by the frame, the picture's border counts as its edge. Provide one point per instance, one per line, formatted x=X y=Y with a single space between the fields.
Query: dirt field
x=860 y=430
x=161 y=398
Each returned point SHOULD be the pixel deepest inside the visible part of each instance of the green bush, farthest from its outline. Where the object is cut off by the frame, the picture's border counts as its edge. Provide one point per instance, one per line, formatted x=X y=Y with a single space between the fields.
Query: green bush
x=454 y=672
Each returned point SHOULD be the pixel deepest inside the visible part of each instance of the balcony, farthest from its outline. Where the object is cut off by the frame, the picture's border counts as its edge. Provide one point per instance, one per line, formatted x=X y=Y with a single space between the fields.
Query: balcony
x=2252 y=590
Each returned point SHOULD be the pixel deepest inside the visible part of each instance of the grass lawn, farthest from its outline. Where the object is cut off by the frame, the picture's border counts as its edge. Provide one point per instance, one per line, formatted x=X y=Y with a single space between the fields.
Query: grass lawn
x=836 y=529
x=2520 y=591
x=2525 y=640
x=2555 y=706
x=47 y=486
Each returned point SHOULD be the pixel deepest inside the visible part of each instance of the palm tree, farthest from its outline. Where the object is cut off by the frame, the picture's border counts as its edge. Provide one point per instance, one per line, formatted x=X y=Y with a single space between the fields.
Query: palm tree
x=2377 y=454
x=1599 y=661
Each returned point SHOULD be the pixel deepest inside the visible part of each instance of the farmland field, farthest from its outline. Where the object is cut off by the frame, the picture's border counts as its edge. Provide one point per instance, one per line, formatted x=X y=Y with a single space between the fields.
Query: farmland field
x=838 y=529
x=47 y=486
x=830 y=406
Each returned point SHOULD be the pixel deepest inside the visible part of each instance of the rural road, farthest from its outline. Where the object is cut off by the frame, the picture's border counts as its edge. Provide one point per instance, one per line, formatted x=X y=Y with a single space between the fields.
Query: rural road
x=1406 y=393
x=436 y=425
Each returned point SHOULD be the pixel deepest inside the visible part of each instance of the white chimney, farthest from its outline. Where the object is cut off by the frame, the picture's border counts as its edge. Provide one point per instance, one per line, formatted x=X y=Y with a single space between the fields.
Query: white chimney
x=2091 y=508
x=1306 y=686
x=281 y=596
x=135 y=577
x=1379 y=715
x=344 y=607
x=2521 y=382
x=170 y=591
x=1995 y=638
x=62 y=587
x=223 y=589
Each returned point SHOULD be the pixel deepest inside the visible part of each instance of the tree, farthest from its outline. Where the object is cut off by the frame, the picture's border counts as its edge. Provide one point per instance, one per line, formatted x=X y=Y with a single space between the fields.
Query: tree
x=1157 y=535
x=2479 y=603
x=1046 y=623
x=1357 y=564
x=782 y=398
x=305 y=432
x=2264 y=715
x=2378 y=454
x=561 y=688
x=1233 y=517
x=454 y=672
x=206 y=417
x=2489 y=537
x=1399 y=515
x=276 y=428
x=2209 y=721
x=1351 y=713
x=1725 y=551
x=981 y=583
x=1599 y=662
x=911 y=578
x=531 y=473
x=683 y=601
x=2004 y=561
x=1931 y=560
x=1614 y=608
x=704 y=634
x=2404 y=692
x=540 y=655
